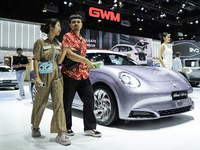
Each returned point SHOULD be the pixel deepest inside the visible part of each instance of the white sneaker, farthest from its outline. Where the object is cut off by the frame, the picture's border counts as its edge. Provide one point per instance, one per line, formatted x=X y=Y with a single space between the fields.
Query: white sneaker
x=19 y=97
x=23 y=97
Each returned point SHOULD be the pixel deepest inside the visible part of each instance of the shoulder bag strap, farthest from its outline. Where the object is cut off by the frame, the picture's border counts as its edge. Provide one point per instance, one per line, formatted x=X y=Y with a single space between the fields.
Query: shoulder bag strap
x=80 y=47
x=54 y=52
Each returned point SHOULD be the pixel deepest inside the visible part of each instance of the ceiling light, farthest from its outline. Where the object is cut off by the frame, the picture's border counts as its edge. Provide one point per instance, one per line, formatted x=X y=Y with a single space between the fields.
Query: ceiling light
x=65 y=2
x=99 y=2
x=70 y=4
x=114 y=5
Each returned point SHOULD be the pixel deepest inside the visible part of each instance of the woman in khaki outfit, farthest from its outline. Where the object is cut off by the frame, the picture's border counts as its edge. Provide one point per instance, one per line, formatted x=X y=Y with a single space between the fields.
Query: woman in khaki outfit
x=43 y=51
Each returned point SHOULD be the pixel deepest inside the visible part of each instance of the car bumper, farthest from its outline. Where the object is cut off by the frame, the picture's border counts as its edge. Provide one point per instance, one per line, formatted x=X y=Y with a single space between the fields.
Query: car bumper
x=9 y=85
x=158 y=108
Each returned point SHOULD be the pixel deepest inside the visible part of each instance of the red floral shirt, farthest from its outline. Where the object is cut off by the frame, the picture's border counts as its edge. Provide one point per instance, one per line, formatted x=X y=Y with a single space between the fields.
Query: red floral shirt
x=72 y=40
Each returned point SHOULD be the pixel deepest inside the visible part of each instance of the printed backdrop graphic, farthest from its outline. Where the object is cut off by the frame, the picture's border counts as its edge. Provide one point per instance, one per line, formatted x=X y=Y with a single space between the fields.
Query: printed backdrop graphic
x=138 y=48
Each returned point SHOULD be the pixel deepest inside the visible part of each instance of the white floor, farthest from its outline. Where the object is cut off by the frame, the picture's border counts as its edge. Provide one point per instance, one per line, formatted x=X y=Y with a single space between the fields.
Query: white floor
x=181 y=132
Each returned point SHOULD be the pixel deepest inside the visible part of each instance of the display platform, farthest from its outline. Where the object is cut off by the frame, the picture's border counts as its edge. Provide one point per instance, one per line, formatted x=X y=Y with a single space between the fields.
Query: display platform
x=180 y=132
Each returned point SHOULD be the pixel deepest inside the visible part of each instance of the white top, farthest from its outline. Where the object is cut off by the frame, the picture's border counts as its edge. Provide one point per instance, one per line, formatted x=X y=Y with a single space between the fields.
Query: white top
x=167 y=56
x=177 y=65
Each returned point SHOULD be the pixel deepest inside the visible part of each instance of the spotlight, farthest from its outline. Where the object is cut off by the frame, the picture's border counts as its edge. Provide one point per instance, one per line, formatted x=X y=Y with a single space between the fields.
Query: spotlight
x=196 y=21
x=115 y=1
x=183 y=6
x=70 y=4
x=180 y=11
x=65 y=2
x=168 y=25
x=99 y=2
x=142 y=8
x=142 y=20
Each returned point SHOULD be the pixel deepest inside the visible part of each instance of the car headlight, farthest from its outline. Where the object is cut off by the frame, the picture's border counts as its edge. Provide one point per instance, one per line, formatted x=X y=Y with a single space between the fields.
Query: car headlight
x=128 y=79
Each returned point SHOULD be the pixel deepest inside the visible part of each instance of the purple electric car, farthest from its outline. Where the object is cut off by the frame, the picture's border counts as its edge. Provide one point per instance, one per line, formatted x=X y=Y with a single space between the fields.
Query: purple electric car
x=125 y=90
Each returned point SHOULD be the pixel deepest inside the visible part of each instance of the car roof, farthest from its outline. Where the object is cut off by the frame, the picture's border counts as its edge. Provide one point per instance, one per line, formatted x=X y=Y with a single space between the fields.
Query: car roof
x=103 y=51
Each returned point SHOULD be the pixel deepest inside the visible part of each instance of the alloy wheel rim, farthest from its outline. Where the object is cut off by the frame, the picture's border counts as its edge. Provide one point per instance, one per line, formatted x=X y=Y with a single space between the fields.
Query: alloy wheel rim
x=102 y=105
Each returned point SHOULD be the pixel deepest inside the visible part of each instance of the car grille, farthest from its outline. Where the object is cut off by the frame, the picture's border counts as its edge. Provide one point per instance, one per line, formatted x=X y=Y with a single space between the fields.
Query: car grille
x=174 y=111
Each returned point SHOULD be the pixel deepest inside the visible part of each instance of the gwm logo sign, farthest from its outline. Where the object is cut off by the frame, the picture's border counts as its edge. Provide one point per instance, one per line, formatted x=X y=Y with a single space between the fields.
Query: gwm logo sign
x=108 y=15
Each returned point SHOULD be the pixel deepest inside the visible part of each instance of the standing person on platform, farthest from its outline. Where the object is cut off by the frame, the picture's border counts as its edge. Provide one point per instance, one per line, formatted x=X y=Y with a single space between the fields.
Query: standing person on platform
x=165 y=54
x=76 y=80
x=19 y=64
x=43 y=51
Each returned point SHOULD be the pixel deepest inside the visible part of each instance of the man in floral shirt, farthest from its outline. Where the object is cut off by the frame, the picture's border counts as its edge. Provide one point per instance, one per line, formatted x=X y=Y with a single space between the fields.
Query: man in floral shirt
x=76 y=80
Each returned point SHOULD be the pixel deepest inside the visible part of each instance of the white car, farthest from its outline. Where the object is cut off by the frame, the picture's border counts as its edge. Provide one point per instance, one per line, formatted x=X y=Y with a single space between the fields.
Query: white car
x=8 y=77
x=137 y=51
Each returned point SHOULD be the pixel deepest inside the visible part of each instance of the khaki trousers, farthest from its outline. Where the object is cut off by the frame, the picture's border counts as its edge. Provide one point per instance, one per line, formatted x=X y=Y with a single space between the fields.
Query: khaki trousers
x=54 y=85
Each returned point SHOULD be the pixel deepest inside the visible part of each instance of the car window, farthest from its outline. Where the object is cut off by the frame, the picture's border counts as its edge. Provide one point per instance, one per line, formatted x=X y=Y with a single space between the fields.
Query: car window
x=116 y=49
x=123 y=49
x=129 y=49
x=190 y=63
x=111 y=59
x=2 y=69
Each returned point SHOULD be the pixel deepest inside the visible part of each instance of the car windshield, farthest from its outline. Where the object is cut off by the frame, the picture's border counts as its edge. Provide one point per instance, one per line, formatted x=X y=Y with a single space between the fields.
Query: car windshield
x=111 y=59
x=192 y=63
x=3 y=69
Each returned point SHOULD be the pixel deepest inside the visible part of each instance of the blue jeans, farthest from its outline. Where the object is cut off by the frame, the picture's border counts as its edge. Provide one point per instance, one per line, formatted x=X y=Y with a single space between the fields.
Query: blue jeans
x=20 y=79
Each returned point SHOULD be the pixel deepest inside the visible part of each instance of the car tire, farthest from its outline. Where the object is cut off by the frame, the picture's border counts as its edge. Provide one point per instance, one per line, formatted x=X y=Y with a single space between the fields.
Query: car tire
x=33 y=92
x=105 y=106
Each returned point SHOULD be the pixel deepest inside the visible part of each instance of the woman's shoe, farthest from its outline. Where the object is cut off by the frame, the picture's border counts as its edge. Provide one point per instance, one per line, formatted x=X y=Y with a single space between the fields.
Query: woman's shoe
x=63 y=139
x=35 y=132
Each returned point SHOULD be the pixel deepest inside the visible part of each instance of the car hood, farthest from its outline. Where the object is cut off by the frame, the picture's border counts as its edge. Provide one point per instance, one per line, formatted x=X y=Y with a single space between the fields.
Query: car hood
x=8 y=76
x=151 y=74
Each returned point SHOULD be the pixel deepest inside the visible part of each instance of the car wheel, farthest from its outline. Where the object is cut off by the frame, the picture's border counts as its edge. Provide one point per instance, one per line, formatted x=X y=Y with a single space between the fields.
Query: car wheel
x=33 y=92
x=105 y=106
